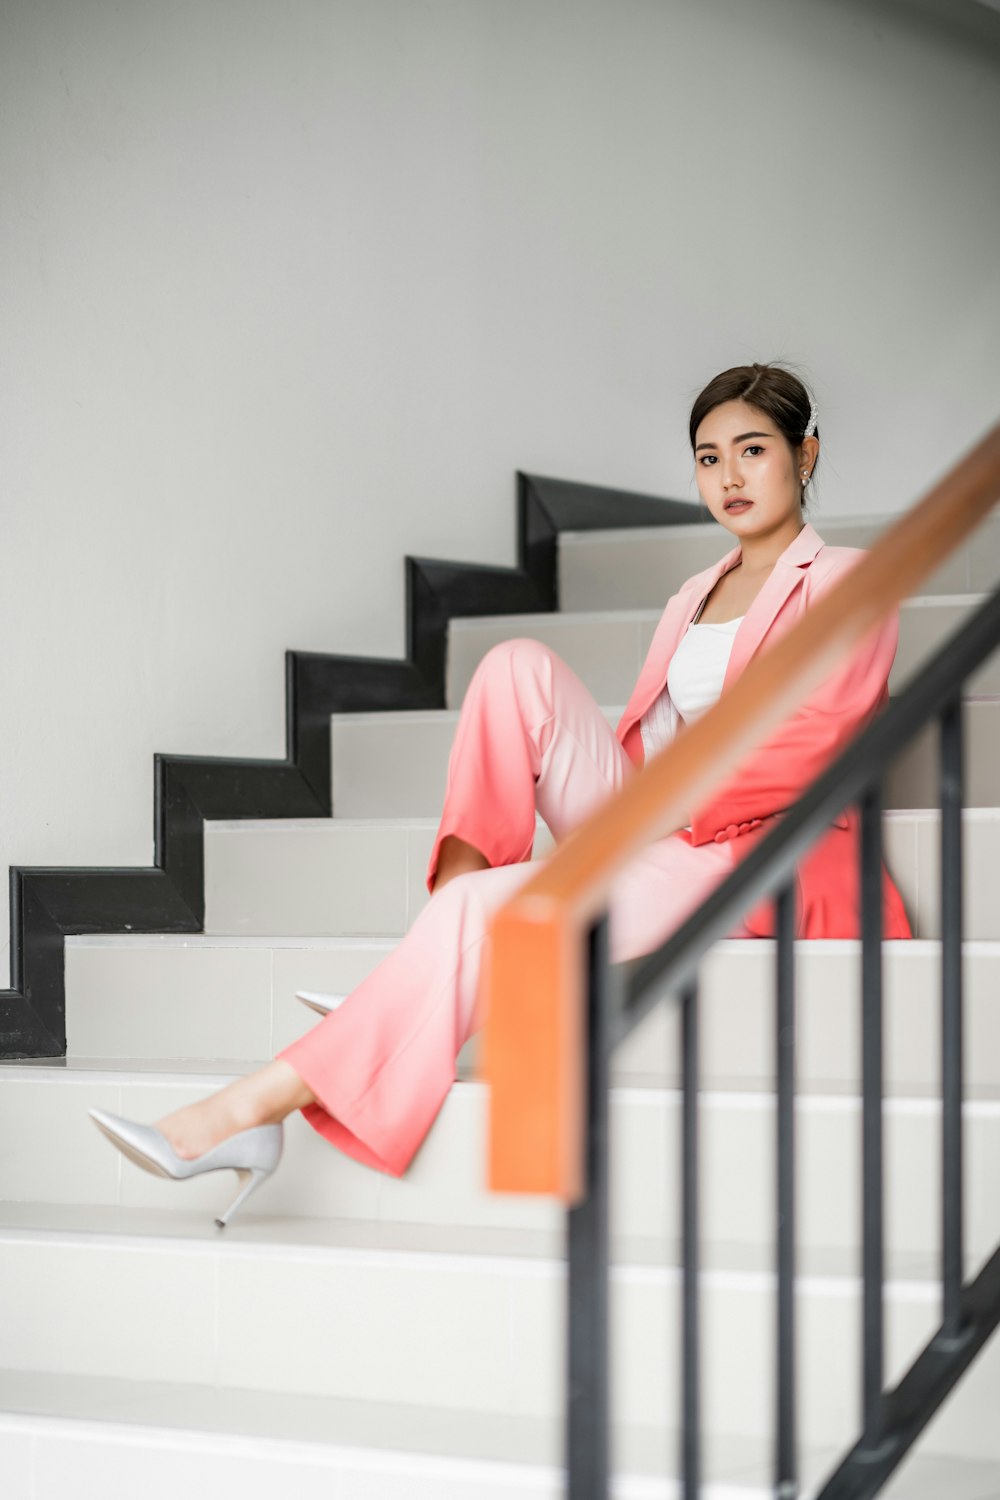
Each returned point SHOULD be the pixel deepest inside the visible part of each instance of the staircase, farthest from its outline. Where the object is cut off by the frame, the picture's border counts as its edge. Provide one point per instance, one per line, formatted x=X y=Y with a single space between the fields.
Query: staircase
x=359 y=1336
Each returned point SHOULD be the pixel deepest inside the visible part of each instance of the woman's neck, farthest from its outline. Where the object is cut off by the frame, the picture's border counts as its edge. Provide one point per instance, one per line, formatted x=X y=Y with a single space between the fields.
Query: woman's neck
x=761 y=553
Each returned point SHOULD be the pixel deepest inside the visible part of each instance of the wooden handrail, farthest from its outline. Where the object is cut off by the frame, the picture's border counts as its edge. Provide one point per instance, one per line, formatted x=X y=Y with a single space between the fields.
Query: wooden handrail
x=532 y=976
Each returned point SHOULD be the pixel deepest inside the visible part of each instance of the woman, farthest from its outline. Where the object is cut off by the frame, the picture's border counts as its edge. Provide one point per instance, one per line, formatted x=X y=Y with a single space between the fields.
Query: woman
x=373 y=1074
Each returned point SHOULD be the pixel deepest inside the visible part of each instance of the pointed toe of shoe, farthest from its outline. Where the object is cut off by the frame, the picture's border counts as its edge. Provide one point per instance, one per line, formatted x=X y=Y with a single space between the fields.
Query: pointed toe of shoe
x=113 y=1126
x=142 y=1144
x=319 y=1001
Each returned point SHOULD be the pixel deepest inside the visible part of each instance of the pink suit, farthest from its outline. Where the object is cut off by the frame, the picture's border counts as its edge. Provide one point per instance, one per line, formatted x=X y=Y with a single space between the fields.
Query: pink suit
x=530 y=738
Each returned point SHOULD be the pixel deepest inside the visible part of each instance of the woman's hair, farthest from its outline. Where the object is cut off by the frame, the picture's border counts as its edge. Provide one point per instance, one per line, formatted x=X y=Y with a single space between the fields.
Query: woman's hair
x=773 y=390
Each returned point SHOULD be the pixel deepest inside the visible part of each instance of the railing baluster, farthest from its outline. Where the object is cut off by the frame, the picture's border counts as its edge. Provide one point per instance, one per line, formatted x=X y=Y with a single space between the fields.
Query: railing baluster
x=786 y=1478
x=690 y=1362
x=871 y=1083
x=588 y=1405
x=952 y=784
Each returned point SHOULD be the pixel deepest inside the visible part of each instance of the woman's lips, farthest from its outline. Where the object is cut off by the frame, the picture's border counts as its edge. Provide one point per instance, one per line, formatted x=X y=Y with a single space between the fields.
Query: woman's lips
x=738 y=504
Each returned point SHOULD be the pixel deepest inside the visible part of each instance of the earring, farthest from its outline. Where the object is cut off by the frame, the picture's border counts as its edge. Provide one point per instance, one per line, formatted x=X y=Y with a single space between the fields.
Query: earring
x=805 y=476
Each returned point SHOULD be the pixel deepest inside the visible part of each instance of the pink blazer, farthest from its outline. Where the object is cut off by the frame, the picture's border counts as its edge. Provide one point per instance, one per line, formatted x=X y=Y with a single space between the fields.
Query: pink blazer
x=781 y=769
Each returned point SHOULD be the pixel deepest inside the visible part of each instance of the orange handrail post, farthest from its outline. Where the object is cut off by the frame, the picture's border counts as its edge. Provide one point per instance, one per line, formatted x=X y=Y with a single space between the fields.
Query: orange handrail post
x=533 y=1059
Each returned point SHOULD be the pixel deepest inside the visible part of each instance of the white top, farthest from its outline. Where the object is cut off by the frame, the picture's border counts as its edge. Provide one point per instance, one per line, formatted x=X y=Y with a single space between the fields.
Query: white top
x=695 y=676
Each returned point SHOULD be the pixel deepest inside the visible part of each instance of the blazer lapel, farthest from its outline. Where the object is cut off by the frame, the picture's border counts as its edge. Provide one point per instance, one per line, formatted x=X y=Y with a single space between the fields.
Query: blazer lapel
x=787 y=576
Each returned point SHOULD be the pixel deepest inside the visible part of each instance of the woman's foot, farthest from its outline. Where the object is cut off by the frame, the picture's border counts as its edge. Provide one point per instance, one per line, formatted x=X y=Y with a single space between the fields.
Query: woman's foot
x=263 y=1097
x=251 y=1154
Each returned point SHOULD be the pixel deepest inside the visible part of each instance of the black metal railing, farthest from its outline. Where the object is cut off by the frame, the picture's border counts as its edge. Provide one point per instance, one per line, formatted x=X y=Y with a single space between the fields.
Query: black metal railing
x=619 y=999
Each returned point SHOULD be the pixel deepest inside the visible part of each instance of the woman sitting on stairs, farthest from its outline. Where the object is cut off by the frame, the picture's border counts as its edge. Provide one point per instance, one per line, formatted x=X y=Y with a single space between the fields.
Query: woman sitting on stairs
x=373 y=1074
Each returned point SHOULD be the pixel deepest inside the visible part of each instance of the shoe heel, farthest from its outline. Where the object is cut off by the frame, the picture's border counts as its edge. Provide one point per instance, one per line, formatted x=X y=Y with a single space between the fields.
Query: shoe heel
x=250 y=1178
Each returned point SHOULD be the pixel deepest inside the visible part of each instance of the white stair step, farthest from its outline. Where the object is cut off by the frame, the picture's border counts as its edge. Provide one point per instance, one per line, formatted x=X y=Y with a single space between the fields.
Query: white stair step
x=912 y=781
x=315 y=876
x=475 y=1323
x=631 y=569
x=106 y=1005
x=394 y=765
x=197 y=996
x=329 y=877
x=607 y=649
x=320 y=876
x=127 y=1438
x=390 y=765
x=65 y=1437
x=736 y=1008
x=61 y=1158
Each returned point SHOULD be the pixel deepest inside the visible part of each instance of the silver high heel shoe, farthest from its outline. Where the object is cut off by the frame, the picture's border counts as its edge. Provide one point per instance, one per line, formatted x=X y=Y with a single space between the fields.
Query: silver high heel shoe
x=251 y=1154
x=319 y=1002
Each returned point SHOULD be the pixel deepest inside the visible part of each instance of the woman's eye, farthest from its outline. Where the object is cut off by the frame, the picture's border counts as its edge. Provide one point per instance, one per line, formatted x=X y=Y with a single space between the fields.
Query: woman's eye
x=712 y=458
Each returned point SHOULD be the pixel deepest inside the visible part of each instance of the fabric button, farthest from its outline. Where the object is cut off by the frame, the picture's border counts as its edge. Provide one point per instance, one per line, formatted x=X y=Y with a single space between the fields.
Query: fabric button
x=754 y=823
x=732 y=831
x=721 y=836
x=744 y=828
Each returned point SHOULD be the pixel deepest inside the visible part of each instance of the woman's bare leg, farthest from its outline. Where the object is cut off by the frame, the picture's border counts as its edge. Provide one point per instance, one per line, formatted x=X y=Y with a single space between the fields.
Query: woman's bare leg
x=263 y=1097
x=456 y=857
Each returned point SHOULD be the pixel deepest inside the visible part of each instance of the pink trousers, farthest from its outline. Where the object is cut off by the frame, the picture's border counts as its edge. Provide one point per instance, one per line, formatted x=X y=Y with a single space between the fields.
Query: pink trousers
x=529 y=738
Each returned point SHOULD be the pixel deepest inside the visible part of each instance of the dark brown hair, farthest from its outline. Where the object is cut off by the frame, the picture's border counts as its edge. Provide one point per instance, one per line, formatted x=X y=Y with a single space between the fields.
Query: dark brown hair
x=775 y=391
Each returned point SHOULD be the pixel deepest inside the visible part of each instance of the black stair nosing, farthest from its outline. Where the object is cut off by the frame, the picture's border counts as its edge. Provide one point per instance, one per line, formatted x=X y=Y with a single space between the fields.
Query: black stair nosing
x=441 y=591
x=46 y=904
x=546 y=506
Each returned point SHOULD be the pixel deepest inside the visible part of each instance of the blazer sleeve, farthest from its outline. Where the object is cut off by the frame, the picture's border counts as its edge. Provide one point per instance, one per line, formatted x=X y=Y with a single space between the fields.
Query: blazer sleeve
x=779 y=771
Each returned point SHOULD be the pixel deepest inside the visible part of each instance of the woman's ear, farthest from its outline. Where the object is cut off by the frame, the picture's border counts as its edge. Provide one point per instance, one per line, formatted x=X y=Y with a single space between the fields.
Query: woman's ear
x=808 y=454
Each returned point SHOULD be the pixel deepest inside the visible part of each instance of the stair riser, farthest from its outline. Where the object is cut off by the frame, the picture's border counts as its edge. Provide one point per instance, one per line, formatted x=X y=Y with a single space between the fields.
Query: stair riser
x=736 y=1037
x=397 y=769
x=314 y=878
x=736 y=1006
x=198 y=1000
x=321 y=878
x=63 y=1159
x=636 y=569
x=324 y=878
x=914 y=779
x=462 y=1333
x=607 y=651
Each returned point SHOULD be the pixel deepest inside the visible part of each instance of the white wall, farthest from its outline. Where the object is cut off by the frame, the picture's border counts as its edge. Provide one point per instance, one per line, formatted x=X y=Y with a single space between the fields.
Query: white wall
x=290 y=290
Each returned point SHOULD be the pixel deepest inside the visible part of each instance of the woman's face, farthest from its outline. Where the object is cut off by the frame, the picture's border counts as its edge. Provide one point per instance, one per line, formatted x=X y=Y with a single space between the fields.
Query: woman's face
x=747 y=473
